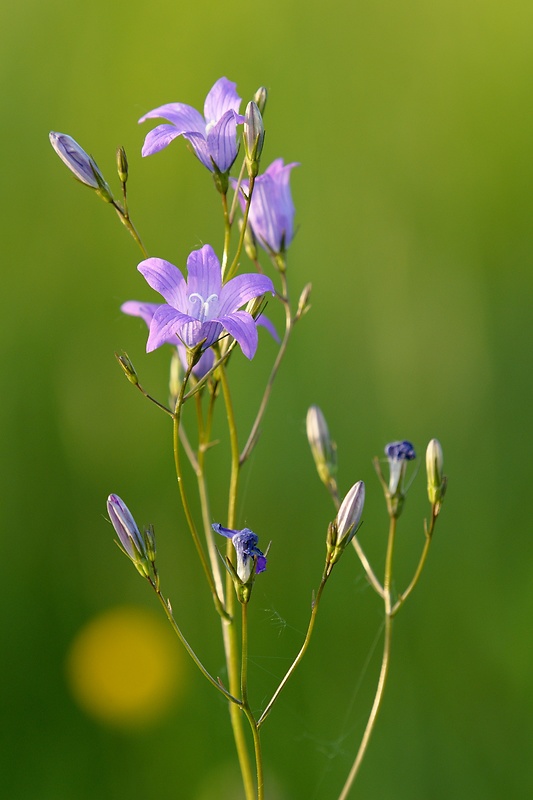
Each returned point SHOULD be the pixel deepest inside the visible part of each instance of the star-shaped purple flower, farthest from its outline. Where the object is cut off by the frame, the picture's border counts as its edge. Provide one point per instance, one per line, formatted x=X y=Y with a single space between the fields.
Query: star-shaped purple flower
x=246 y=550
x=213 y=136
x=271 y=215
x=202 y=307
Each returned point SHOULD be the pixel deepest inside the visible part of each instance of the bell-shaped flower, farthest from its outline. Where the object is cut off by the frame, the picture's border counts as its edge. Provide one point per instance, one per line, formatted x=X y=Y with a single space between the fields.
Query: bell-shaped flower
x=271 y=214
x=213 y=136
x=199 y=309
x=398 y=454
x=250 y=559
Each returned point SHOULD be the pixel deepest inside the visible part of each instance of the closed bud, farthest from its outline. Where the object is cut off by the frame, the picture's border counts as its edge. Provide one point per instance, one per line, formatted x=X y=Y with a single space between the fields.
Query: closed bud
x=254 y=136
x=127 y=368
x=130 y=540
x=260 y=99
x=342 y=530
x=83 y=166
x=249 y=241
x=324 y=450
x=436 y=479
x=122 y=165
x=303 y=302
x=177 y=373
x=149 y=541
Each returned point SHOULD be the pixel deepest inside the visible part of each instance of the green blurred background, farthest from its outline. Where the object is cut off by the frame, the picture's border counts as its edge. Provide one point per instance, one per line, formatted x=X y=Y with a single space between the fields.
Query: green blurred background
x=412 y=123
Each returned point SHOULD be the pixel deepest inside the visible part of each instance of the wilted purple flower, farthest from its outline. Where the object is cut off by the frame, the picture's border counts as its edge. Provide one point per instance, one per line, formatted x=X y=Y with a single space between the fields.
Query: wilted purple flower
x=82 y=165
x=398 y=454
x=213 y=136
x=271 y=215
x=202 y=307
x=127 y=531
x=248 y=554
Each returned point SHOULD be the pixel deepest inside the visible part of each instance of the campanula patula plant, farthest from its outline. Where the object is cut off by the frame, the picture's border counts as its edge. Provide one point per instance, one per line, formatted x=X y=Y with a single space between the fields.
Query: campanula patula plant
x=207 y=312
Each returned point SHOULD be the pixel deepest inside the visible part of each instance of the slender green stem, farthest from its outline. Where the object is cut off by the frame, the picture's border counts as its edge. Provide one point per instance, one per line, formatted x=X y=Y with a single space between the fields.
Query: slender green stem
x=204 y=438
x=168 y=611
x=235 y=263
x=128 y=224
x=227 y=233
x=244 y=653
x=185 y=502
x=385 y=663
x=289 y=324
x=230 y=638
x=421 y=564
x=301 y=652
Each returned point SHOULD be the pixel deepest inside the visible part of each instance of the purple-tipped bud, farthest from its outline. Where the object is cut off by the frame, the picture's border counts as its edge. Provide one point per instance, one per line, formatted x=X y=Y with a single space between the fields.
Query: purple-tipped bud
x=254 y=137
x=132 y=542
x=436 y=478
x=322 y=446
x=398 y=453
x=82 y=165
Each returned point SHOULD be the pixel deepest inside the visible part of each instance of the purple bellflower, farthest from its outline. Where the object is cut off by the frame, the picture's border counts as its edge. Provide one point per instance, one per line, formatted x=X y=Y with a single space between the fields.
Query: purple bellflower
x=398 y=454
x=271 y=215
x=212 y=136
x=200 y=308
x=246 y=549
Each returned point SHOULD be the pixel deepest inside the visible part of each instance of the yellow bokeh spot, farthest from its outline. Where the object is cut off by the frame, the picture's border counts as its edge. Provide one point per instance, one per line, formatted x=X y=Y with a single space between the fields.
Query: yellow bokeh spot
x=125 y=667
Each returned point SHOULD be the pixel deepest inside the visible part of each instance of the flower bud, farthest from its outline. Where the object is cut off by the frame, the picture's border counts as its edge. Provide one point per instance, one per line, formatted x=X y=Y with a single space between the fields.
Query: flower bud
x=122 y=165
x=303 y=302
x=254 y=136
x=82 y=165
x=249 y=241
x=350 y=513
x=436 y=479
x=260 y=99
x=128 y=368
x=342 y=530
x=130 y=539
x=324 y=450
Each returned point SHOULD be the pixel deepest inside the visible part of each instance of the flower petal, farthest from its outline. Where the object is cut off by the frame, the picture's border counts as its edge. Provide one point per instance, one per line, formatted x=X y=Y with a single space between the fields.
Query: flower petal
x=199 y=145
x=182 y=116
x=241 y=326
x=204 y=275
x=158 y=139
x=266 y=323
x=166 y=279
x=166 y=324
x=222 y=141
x=236 y=292
x=221 y=97
x=135 y=308
x=228 y=532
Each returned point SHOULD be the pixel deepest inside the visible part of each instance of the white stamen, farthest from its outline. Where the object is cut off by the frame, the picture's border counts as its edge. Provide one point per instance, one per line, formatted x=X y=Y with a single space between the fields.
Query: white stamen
x=204 y=310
